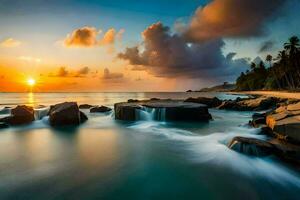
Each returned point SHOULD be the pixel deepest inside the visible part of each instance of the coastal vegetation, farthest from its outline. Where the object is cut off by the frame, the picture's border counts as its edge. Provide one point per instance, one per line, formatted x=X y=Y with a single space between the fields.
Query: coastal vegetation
x=276 y=73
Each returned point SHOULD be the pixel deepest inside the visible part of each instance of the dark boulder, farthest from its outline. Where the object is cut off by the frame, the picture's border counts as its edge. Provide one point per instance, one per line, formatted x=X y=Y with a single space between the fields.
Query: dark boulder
x=85 y=106
x=20 y=115
x=252 y=146
x=132 y=100
x=258 y=119
x=100 y=109
x=210 y=102
x=3 y=125
x=268 y=103
x=154 y=99
x=67 y=113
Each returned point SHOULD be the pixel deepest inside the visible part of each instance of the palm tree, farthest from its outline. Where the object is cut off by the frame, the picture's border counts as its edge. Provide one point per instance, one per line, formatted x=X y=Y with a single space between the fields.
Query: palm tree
x=292 y=47
x=282 y=59
x=269 y=59
x=253 y=66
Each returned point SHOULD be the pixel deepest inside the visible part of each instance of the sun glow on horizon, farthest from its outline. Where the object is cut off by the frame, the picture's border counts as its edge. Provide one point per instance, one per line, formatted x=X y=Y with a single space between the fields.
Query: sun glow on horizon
x=31 y=82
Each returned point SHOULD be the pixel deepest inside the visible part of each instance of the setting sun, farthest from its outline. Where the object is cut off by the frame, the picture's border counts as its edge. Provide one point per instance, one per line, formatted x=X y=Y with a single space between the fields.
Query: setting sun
x=31 y=82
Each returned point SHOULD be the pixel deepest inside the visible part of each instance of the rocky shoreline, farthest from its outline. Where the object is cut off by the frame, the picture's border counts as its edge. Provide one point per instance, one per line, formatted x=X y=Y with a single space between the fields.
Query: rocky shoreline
x=277 y=118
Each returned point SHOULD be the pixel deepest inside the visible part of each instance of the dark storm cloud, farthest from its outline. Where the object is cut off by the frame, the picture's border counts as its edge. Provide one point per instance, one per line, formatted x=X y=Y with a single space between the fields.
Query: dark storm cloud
x=266 y=46
x=167 y=55
x=232 y=19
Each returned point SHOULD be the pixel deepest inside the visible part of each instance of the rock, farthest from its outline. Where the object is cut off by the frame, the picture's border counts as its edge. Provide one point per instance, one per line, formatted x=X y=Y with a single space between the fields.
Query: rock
x=3 y=125
x=20 y=115
x=132 y=100
x=86 y=106
x=250 y=104
x=285 y=122
x=258 y=119
x=5 y=111
x=252 y=146
x=83 y=117
x=169 y=110
x=154 y=99
x=285 y=151
x=210 y=102
x=100 y=109
x=66 y=114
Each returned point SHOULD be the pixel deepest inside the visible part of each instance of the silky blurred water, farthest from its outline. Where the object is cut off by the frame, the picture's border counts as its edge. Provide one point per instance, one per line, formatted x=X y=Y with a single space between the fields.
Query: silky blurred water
x=108 y=159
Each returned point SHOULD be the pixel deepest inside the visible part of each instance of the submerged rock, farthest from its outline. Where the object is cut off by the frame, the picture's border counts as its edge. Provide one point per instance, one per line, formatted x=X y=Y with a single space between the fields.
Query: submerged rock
x=170 y=109
x=67 y=113
x=86 y=106
x=252 y=146
x=100 y=109
x=210 y=102
x=20 y=115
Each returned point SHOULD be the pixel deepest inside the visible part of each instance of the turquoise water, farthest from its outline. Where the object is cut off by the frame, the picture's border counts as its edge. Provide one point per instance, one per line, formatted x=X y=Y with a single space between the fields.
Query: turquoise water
x=108 y=159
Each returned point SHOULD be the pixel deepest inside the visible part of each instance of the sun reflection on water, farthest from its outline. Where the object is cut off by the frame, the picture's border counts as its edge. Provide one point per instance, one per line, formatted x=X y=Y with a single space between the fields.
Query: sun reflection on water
x=30 y=99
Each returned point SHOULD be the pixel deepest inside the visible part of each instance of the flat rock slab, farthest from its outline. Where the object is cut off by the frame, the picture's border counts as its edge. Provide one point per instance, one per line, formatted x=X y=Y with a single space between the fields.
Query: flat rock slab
x=173 y=110
x=285 y=122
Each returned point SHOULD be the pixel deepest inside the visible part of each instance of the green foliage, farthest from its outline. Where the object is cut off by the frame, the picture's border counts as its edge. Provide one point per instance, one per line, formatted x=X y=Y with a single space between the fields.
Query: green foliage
x=284 y=73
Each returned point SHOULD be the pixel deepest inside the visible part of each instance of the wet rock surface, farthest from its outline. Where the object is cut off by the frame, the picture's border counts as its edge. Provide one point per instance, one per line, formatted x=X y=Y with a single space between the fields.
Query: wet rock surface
x=210 y=102
x=67 y=113
x=255 y=147
x=252 y=146
x=19 y=115
x=172 y=110
x=86 y=106
x=250 y=104
x=100 y=109
x=285 y=122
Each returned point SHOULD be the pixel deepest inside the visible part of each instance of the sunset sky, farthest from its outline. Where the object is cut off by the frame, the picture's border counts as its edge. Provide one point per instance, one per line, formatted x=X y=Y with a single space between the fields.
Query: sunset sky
x=137 y=45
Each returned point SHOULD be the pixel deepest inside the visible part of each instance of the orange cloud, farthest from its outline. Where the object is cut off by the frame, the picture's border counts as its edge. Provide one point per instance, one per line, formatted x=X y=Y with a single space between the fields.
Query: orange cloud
x=64 y=72
x=111 y=75
x=10 y=42
x=91 y=37
x=82 y=37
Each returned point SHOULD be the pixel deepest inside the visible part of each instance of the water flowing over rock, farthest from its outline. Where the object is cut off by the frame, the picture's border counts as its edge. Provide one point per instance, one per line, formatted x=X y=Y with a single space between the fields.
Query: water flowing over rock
x=20 y=115
x=252 y=146
x=100 y=109
x=163 y=110
x=67 y=113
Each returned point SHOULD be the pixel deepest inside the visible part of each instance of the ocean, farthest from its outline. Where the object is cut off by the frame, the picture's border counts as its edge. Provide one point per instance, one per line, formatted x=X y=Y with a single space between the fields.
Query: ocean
x=108 y=159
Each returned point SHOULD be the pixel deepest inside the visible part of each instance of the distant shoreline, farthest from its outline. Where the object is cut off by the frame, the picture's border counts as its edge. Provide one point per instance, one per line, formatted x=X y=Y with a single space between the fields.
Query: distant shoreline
x=279 y=94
